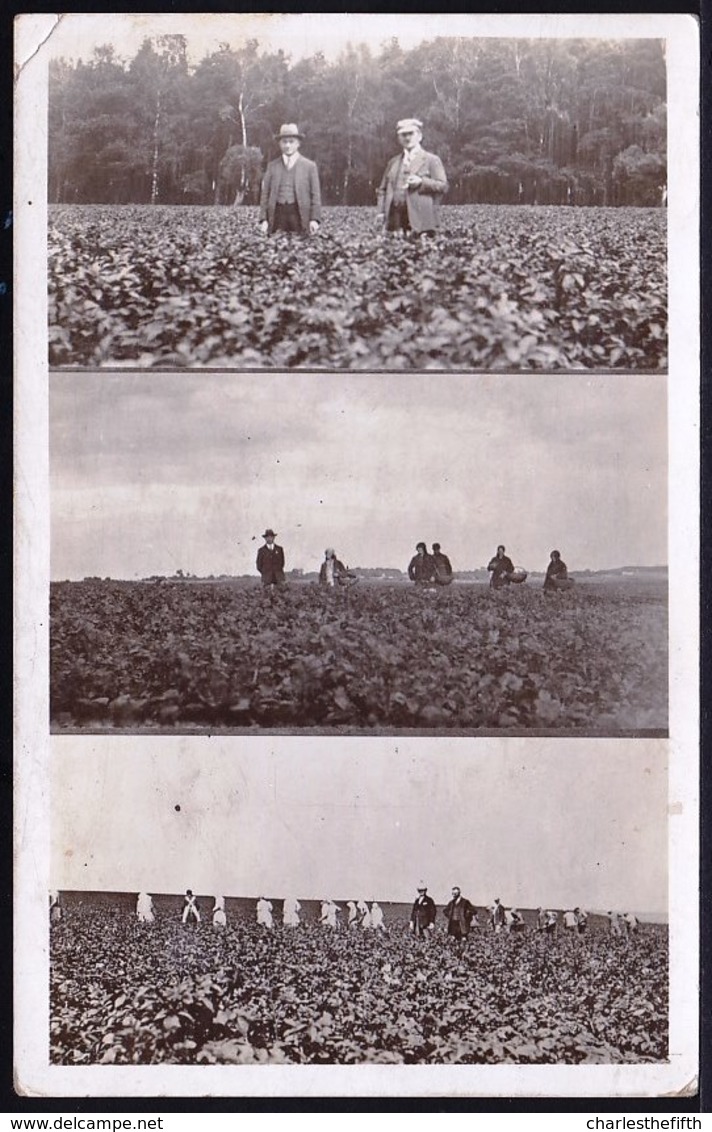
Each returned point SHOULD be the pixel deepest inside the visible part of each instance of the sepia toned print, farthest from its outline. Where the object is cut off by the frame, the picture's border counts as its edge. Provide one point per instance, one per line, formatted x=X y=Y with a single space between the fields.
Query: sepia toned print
x=351 y=202
x=242 y=555
x=537 y=934
x=356 y=621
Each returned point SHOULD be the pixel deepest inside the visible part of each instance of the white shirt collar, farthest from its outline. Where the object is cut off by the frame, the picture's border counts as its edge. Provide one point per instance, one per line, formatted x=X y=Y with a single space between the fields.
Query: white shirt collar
x=290 y=160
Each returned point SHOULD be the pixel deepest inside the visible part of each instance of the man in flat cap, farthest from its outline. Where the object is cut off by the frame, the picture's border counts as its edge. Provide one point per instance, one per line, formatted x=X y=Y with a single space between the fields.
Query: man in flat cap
x=413 y=184
x=270 y=560
x=290 y=200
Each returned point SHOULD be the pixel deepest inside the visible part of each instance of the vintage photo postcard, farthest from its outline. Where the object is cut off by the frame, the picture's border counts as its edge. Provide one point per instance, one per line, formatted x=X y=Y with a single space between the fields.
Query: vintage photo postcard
x=357 y=556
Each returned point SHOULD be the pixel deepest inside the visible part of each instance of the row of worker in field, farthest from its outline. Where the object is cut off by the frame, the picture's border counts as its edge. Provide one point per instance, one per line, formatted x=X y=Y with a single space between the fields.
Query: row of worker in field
x=461 y=915
x=426 y=568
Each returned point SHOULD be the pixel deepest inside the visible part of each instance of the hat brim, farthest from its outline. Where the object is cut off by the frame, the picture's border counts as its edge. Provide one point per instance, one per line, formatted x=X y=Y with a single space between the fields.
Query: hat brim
x=289 y=137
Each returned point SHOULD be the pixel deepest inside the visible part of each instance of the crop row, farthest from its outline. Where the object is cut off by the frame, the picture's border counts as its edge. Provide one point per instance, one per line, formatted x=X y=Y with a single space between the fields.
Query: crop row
x=122 y=992
x=132 y=654
x=499 y=288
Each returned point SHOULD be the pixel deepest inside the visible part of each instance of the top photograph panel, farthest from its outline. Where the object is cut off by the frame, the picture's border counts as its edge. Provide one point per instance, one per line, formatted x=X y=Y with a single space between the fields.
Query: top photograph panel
x=358 y=193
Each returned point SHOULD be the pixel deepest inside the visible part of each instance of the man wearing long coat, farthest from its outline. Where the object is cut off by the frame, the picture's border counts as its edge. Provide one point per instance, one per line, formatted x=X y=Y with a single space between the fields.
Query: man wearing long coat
x=270 y=560
x=422 y=916
x=290 y=200
x=459 y=913
x=413 y=184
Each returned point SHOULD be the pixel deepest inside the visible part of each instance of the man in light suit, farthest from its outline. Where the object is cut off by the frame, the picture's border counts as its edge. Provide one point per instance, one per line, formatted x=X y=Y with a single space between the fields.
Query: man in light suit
x=413 y=184
x=290 y=200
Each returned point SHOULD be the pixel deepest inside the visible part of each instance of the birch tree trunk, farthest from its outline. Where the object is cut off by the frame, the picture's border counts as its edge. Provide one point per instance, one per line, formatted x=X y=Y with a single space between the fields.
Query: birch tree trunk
x=156 y=148
x=242 y=185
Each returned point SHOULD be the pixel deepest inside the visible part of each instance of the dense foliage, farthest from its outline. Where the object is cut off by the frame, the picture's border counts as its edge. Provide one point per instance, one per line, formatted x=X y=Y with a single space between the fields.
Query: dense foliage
x=134 y=654
x=124 y=992
x=535 y=121
x=498 y=288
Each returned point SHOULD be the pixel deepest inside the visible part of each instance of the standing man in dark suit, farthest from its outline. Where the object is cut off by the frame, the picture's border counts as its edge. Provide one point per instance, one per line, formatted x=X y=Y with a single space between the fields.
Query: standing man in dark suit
x=290 y=200
x=459 y=913
x=422 y=917
x=413 y=184
x=270 y=560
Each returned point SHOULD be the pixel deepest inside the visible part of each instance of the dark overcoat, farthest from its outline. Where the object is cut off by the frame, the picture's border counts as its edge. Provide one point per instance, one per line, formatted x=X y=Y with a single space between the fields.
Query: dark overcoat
x=423 y=913
x=270 y=564
x=459 y=915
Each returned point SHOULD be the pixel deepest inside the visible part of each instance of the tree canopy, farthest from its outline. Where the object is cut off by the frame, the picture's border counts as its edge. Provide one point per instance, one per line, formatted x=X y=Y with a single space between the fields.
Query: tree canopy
x=550 y=121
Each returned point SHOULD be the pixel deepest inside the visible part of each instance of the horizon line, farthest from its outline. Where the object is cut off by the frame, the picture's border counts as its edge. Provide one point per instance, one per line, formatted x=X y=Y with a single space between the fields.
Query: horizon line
x=660 y=917
x=187 y=575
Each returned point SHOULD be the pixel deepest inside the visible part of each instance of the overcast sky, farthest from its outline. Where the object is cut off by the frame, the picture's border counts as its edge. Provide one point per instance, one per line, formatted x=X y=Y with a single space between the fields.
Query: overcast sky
x=298 y=35
x=151 y=473
x=530 y=820
x=76 y=35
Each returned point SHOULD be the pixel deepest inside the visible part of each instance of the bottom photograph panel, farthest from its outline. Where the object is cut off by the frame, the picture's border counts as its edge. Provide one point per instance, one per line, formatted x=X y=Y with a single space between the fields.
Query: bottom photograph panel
x=237 y=902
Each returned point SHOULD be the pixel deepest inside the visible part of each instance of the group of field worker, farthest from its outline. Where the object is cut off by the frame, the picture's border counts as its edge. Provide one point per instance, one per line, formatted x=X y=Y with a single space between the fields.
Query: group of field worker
x=359 y=915
x=435 y=569
x=461 y=916
x=460 y=913
x=408 y=197
x=426 y=568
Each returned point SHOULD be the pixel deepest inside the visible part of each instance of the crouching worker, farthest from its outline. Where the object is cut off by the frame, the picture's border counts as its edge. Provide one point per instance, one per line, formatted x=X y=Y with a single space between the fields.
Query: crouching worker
x=557 y=574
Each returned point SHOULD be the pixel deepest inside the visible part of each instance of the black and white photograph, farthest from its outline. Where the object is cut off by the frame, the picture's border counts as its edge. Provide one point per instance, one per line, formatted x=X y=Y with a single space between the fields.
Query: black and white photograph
x=210 y=906
x=376 y=194
x=475 y=554
x=357 y=557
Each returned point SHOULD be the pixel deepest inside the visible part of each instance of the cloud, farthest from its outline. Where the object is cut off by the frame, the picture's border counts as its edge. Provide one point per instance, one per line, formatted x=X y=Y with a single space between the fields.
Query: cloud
x=362 y=462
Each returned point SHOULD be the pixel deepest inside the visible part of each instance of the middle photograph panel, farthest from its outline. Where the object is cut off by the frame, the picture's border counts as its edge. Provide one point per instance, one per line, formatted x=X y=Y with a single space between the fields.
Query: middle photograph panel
x=342 y=554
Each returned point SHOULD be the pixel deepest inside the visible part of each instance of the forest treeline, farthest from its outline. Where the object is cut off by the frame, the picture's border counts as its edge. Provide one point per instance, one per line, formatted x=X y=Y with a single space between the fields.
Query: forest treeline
x=515 y=121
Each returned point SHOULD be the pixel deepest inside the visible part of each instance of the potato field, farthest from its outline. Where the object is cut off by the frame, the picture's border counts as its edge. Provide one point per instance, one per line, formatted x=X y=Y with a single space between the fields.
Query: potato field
x=500 y=287
x=233 y=656
x=128 y=993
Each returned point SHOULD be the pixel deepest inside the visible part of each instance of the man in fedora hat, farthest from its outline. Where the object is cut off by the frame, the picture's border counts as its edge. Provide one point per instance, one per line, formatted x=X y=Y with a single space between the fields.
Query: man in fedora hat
x=413 y=184
x=270 y=560
x=290 y=200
